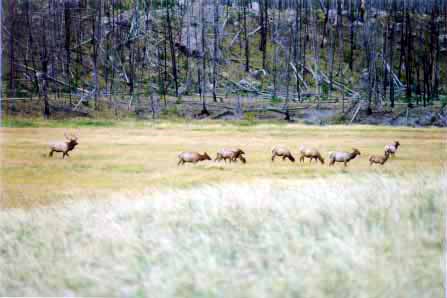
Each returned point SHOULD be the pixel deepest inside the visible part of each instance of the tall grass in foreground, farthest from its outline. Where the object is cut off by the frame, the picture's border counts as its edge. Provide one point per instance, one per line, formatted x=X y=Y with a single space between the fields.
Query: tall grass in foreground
x=373 y=236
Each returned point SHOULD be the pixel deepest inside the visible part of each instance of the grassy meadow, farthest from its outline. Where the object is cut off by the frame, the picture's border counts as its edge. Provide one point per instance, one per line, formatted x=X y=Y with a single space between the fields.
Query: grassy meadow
x=120 y=218
x=132 y=158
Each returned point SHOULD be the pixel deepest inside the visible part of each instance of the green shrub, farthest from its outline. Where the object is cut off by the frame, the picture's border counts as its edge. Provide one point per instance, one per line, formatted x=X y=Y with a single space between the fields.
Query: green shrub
x=339 y=119
x=250 y=116
x=275 y=100
x=95 y=123
x=170 y=111
x=443 y=100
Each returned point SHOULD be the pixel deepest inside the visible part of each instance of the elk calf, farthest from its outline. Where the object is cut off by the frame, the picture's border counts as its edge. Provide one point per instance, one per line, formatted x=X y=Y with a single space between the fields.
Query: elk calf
x=282 y=152
x=311 y=153
x=343 y=157
x=376 y=159
x=64 y=147
x=392 y=148
x=192 y=157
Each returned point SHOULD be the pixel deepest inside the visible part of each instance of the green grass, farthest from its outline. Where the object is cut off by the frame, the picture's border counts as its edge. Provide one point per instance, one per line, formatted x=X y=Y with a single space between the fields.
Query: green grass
x=93 y=123
x=18 y=123
x=69 y=123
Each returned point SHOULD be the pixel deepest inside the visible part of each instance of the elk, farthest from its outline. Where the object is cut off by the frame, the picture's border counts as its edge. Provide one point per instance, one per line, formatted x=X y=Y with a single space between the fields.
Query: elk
x=232 y=154
x=192 y=157
x=392 y=148
x=283 y=152
x=376 y=159
x=343 y=157
x=64 y=147
x=311 y=153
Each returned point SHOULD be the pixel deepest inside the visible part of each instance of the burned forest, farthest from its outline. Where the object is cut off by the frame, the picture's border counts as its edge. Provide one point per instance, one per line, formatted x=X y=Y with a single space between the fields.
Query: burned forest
x=326 y=61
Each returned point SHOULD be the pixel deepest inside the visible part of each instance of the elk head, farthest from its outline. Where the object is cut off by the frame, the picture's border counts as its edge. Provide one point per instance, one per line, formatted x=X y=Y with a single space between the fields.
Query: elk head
x=72 y=140
x=355 y=151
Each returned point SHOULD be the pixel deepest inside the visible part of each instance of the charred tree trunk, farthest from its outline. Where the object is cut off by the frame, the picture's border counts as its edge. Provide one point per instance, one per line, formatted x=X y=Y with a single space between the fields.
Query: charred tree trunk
x=215 y=48
x=264 y=31
x=44 y=74
x=172 y=48
x=247 y=44
x=11 y=48
x=204 y=111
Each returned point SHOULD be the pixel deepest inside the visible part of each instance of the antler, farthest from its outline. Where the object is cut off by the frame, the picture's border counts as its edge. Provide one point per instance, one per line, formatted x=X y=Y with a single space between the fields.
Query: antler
x=70 y=136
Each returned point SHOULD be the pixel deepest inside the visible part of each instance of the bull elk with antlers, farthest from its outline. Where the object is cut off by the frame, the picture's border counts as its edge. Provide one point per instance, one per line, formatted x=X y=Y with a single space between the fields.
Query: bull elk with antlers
x=64 y=146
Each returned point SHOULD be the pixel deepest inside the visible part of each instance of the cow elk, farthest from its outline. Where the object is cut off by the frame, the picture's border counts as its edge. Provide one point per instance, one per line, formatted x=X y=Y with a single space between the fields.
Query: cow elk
x=232 y=154
x=192 y=157
x=282 y=152
x=392 y=148
x=64 y=147
x=311 y=153
x=376 y=159
x=343 y=157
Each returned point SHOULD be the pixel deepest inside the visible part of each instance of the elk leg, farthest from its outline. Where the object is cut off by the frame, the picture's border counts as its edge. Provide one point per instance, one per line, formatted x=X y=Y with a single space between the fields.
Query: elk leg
x=273 y=158
x=51 y=153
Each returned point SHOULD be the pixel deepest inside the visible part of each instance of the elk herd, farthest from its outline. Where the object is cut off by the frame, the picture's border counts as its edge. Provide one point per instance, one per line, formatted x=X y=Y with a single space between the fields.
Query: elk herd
x=235 y=154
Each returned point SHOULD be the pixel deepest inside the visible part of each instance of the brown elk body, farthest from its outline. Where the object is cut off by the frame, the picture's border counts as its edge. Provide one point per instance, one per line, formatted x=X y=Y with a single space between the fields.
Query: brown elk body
x=311 y=153
x=392 y=148
x=232 y=154
x=343 y=157
x=376 y=159
x=192 y=157
x=282 y=152
x=64 y=147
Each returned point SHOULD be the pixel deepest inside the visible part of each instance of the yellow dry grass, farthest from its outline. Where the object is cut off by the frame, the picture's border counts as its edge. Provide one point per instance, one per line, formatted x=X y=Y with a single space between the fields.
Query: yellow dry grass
x=136 y=159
